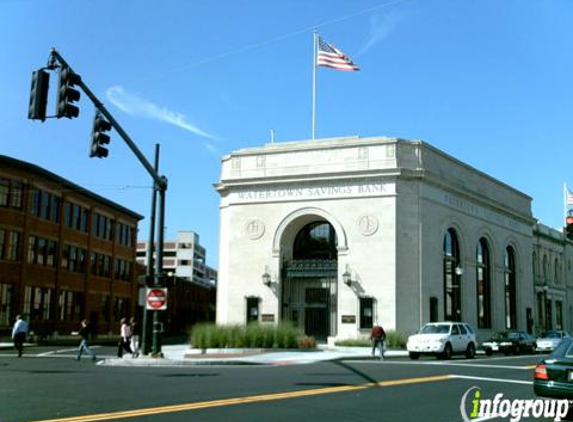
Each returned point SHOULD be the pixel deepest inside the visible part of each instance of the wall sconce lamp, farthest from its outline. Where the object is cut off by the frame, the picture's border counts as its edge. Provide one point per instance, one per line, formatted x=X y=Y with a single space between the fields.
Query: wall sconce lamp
x=266 y=277
x=459 y=271
x=347 y=277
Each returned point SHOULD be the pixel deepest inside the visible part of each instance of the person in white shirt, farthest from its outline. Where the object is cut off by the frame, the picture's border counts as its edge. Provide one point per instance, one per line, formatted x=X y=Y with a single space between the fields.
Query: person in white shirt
x=125 y=337
x=19 y=332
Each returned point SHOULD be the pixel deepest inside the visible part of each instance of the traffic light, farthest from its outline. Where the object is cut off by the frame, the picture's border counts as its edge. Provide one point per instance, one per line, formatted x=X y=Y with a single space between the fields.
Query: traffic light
x=569 y=227
x=67 y=94
x=39 y=95
x=99 y=138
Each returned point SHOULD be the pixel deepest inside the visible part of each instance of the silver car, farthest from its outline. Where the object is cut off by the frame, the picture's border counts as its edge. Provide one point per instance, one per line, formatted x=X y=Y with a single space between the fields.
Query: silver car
x=548 y=341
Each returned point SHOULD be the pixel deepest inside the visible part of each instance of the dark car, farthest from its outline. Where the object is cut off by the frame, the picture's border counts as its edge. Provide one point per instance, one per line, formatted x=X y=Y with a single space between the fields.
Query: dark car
x=507 y=342
x=554 y=374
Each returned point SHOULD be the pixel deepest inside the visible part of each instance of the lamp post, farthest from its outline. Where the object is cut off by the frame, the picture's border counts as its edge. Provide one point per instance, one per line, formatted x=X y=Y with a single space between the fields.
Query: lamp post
x=266 y=277
x=346 y=277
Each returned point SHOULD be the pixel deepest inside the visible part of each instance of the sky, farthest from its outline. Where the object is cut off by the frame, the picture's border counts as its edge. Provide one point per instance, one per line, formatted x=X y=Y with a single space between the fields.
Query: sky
x=487 y=81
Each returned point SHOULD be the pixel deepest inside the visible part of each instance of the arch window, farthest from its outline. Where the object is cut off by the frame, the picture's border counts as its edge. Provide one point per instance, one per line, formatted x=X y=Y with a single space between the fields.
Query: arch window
x=452 y=288
x=510 y=294
x=316 y=240
x=483 y=280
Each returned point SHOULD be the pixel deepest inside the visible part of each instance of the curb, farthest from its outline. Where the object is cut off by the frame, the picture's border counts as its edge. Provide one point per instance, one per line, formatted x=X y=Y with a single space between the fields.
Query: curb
x=163 y=362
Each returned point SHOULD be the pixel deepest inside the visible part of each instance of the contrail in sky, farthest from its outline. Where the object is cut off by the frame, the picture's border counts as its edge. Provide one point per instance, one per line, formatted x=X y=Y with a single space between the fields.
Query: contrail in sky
x=136 y=106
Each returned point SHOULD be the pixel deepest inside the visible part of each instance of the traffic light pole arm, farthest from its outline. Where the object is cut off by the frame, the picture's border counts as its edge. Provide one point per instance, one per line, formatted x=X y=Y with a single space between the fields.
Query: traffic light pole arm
x=160 y=181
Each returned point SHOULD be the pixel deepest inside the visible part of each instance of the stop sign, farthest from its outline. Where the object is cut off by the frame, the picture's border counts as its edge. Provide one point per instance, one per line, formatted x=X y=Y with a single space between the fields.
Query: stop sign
x=157 y=299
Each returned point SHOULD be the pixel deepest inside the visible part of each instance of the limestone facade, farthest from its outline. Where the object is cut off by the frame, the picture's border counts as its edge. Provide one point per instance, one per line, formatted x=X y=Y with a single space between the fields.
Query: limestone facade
x=392 y=204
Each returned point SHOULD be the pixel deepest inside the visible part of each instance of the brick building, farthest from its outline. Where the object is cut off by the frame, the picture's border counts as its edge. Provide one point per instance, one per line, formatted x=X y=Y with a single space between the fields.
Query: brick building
x=65 y=253
x=191 y=282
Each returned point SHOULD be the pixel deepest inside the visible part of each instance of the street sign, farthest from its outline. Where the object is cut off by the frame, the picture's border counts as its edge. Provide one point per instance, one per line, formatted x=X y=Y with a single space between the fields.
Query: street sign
x=156 y=299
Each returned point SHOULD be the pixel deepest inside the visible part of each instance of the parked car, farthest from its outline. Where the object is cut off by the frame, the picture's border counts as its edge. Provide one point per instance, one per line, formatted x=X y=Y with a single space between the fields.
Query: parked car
x=443 y=339
x=507 y=342
x=554 y=374
x=549 y=341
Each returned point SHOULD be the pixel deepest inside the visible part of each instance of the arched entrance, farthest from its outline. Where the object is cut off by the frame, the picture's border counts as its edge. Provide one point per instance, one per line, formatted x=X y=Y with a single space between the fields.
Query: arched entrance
x=309 y=288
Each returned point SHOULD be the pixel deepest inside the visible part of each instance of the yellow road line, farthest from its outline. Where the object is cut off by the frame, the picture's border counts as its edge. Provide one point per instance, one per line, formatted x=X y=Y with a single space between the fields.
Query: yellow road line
x=242 y=400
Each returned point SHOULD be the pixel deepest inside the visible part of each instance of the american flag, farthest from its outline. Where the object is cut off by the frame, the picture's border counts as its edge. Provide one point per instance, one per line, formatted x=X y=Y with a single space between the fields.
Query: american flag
x=332 y=57
x=568 y=197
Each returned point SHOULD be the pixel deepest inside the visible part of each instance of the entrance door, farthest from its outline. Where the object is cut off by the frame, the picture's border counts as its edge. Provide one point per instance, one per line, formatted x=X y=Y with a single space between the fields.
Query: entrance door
x=316 y=318
x=309 y=287
x=309 y=297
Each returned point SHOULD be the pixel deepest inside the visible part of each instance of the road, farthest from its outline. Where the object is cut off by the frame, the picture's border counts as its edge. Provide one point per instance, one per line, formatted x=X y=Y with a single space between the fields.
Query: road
x=48 y=385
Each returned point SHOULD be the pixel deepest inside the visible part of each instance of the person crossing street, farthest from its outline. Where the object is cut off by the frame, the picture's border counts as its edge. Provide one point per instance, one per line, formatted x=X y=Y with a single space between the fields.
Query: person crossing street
x=19 y=333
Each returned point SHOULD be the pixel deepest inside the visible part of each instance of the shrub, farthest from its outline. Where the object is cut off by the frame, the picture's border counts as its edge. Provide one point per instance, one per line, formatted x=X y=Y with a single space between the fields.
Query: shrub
x=199 y=335
x=354 y=343
x=307 y=343
x=237 y=336
x=284 y=336
x=395 y=340
x=254 y=335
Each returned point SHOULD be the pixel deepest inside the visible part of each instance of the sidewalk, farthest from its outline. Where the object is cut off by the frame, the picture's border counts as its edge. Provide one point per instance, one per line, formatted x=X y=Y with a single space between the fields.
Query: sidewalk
x=182 y=355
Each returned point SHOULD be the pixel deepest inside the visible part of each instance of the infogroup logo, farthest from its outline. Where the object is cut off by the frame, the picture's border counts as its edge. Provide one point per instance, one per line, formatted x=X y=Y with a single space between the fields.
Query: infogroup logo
x=515 y=409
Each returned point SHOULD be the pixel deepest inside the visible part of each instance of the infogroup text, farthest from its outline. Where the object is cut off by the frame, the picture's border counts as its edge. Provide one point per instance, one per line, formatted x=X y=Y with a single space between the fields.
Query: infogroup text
x=515 y=409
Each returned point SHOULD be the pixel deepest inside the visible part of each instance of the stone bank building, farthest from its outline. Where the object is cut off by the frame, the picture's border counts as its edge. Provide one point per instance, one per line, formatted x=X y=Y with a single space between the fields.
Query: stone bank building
x=336 y=234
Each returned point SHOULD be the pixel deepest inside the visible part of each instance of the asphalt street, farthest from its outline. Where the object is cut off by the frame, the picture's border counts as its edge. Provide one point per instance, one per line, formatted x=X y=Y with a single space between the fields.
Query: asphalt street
x=49 y=385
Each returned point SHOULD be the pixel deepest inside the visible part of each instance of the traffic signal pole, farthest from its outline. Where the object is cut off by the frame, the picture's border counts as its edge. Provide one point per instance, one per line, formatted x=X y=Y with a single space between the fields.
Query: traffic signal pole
x=159 y=185
x=149 y=273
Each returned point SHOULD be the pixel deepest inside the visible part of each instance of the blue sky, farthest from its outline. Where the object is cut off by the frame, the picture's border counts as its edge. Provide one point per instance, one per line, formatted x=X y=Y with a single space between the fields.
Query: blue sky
x=488 y=81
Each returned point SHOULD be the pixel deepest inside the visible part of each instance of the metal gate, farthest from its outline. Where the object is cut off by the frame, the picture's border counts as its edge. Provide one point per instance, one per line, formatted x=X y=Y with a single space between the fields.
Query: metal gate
x=309 y=296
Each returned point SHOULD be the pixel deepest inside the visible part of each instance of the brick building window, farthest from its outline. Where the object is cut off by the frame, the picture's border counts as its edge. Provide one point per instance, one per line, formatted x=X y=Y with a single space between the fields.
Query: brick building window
x=102 y=226
x=5 y=303
x=42 y=251
x=45 y=205
x=37 y=302
x=11 y=193
x=70 y=305
x=9 y=245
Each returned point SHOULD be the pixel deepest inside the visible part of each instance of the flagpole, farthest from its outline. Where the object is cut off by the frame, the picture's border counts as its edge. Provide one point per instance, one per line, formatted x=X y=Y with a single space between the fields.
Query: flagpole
x=315 y=41
x=565 y=196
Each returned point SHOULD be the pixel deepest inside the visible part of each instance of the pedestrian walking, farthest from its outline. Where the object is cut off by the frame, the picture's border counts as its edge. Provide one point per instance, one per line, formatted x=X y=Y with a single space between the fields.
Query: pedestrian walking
x=84 y=333
x=135 y=336
x=19 y=333
x=378 y=336
x=124 y=338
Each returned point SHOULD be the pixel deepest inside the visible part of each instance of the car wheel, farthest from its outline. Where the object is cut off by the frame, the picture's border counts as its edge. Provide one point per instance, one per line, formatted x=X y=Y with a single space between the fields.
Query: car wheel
x=414 y=355
x=471 y=351
x=488 y=351
x=447 y=354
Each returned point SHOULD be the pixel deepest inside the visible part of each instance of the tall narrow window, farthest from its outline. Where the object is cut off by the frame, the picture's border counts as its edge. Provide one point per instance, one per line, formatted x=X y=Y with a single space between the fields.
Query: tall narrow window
x=510 y=288
x=483 y=285
x=558 y=315
x=5 y=303
x=252 y=309
x=549 y=314
x=534 y=268
x=540 y=313
x=366 y=312
x=452 y=288
x=13 y=252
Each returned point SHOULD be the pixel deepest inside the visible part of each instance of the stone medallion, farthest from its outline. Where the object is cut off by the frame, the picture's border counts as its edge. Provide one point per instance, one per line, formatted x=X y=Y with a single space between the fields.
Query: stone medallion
x=367 y=224
x=255 y=229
